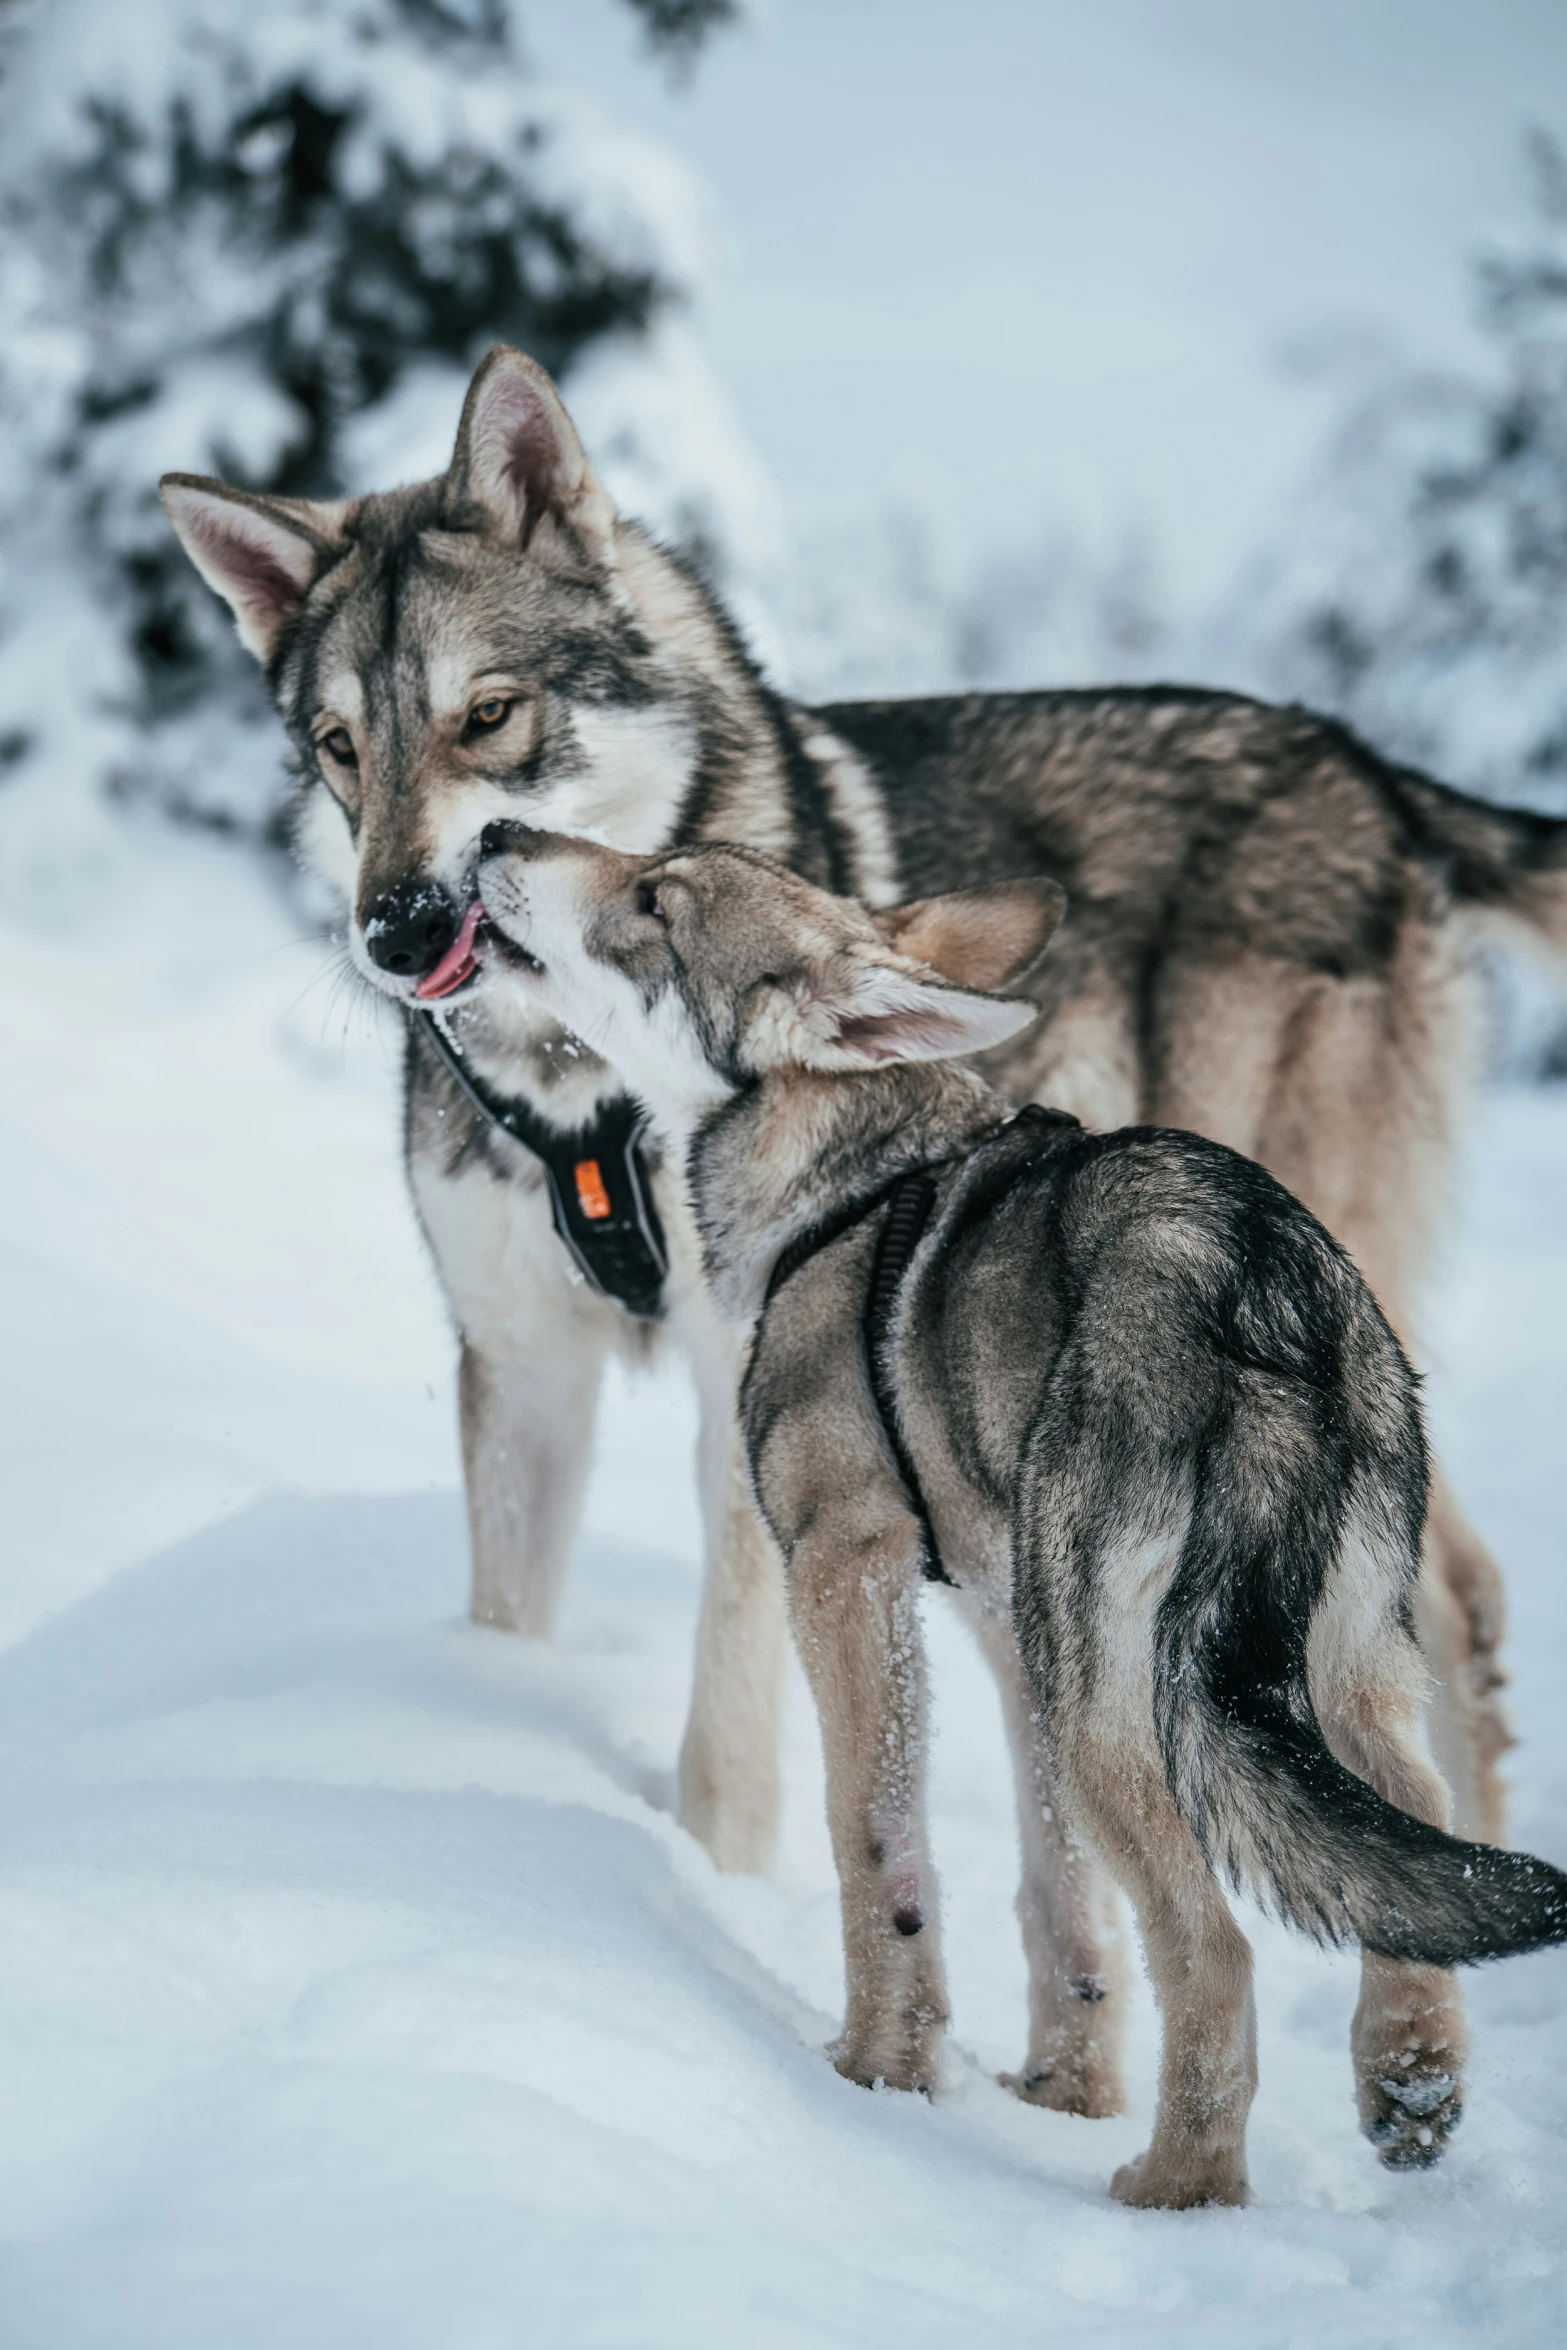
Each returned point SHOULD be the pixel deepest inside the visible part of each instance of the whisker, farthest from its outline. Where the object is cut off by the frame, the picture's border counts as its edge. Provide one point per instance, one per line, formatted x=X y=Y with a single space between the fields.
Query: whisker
x=325 y=974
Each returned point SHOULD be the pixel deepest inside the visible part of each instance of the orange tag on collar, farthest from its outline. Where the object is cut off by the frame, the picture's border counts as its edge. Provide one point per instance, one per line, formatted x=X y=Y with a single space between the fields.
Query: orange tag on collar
x=592 y=1198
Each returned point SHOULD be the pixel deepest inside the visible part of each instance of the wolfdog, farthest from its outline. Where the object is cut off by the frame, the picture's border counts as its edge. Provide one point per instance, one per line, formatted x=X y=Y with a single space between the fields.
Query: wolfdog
x=1122 y=1390
x=1272 y=943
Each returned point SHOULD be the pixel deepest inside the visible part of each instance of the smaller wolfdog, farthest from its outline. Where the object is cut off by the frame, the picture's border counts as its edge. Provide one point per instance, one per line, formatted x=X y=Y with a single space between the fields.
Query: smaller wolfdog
x=1121 y=1389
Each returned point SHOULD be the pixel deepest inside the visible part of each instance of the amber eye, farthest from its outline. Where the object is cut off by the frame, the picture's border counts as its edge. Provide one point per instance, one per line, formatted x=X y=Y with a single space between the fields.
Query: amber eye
x=485 y=716
x=339 y=745
x=647 y=901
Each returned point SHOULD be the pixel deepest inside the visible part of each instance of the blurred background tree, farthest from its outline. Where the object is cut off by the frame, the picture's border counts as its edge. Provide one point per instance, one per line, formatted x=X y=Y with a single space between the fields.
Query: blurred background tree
x=268 y=241
x=1416 y=586
x=1420 y=590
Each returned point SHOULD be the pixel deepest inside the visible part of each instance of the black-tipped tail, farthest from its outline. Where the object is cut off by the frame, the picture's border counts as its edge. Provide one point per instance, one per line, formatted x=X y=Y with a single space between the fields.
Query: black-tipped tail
x=1245 y=1754
x=1320 y=1845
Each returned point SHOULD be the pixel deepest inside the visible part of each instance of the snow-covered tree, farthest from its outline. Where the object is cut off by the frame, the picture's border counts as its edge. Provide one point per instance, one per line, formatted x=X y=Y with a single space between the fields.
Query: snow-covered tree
x=676 y=29
x=268 y=241
x=1422 y=589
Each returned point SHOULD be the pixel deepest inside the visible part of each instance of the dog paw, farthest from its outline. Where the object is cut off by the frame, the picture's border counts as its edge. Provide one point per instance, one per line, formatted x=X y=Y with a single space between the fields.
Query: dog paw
x=1411 y=2116
x=1155 y=2183
x=1409 y=2042
x=895 y=2023
x=898 y=2051
x=1089 y=2090
x=911 y=2070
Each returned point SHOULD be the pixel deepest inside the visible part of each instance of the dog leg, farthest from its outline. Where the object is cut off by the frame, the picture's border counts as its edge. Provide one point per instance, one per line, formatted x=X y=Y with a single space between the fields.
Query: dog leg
x=1461 y=1612
x=533 y=1352
x=1067 y=1909
x=1200 y=1965
x=1409 y=2040
x=730 y=1788
x=731 y=1792
x=527 y=1441
x=854 y=1600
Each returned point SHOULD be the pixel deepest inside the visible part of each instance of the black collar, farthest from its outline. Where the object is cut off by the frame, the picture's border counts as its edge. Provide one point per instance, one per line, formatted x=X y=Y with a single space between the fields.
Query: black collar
x=600 y=1194
x=908 y=1200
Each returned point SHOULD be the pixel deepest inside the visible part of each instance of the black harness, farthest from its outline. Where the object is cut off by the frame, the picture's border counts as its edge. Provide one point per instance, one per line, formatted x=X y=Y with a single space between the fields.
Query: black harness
x=600 y=1195
x=602 y=1204
x=908 y=1200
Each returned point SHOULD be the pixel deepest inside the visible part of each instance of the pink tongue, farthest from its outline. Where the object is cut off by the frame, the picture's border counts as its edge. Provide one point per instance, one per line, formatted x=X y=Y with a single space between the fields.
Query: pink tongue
x=458 y=960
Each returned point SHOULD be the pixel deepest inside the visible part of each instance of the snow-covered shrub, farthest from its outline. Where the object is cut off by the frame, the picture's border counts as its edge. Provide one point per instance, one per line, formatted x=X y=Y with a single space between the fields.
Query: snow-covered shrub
x=268 y=240
x=676 y=29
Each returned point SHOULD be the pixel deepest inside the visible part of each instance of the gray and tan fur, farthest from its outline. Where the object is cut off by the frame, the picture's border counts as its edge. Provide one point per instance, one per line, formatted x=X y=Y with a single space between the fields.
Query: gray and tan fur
x=1169 y=1445
x=1271 y=943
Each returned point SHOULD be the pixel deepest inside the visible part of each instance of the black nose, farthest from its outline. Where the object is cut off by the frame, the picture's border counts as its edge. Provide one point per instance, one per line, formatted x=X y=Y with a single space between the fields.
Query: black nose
x=408 y=929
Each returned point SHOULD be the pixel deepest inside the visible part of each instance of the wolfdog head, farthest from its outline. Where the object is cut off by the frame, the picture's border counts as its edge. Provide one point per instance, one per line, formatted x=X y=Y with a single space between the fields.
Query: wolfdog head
x=699 y=971
x=454 y=652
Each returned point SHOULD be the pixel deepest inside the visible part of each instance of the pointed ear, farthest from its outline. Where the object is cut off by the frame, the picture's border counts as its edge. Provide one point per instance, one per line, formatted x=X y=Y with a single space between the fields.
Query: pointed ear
x=518 y=458
x=263 y=555
x=985 y=938
x=877 y=1014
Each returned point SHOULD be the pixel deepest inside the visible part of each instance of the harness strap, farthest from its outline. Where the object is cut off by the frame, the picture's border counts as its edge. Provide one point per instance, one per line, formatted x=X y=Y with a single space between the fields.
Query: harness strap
x=908 y=1212
x=908 y=1200
x=600 y=1197
x=816 y=1237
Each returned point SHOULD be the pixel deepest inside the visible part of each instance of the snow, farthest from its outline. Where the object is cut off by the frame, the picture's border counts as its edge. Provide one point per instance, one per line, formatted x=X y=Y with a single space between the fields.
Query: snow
x=356 y=1984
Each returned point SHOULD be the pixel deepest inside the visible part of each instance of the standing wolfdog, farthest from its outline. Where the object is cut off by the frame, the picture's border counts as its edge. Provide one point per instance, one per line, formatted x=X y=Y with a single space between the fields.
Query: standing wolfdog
x=1124 y=1387
x=1272 y=942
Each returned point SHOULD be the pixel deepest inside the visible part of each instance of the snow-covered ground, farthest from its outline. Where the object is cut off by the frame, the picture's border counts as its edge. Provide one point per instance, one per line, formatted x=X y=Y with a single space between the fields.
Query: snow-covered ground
x=356 y=1986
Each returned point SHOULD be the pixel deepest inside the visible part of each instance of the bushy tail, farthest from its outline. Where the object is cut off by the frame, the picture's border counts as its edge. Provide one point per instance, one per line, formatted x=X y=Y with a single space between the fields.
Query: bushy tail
x=1508 y=862
x=1250 y=1768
